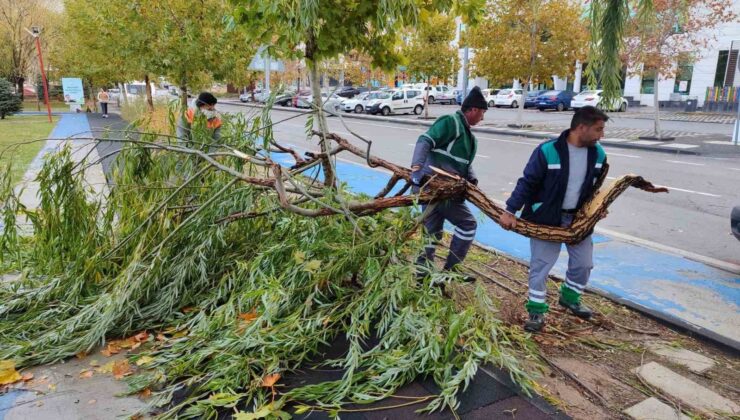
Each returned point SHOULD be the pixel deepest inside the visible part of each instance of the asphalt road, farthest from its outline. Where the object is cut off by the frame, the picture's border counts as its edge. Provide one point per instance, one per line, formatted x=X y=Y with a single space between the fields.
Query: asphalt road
x=693 y=217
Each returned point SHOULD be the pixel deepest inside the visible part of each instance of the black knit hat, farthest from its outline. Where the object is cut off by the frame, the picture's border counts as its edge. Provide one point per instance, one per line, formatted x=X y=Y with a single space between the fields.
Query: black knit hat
x=206 y=98
x=475 y=99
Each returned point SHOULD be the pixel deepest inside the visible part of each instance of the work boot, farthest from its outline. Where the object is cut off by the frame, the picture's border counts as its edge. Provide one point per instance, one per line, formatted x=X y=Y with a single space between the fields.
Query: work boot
x=578 y=309
x=535 y=323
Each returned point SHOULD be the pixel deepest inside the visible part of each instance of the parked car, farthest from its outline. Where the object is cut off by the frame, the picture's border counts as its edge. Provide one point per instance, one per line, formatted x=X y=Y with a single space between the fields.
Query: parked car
x=508 y=97
x=246 y=96
x=558 y=100
x=302 y=92
x=347 y=91
x=439 y=94
x=399 y=101
x=285 y=98
x=490 y=96
x=593 y=98
x=330 y=102
x=531 y=98
x=358 y=103
x=735 y=221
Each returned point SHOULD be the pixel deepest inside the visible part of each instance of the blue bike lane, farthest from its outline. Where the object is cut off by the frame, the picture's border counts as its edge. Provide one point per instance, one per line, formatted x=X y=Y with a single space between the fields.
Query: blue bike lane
x=686 y=293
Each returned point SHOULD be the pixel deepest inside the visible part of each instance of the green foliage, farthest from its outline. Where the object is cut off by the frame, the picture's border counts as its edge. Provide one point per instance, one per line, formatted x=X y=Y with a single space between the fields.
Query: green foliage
x=328 y=28
x=10 y=103
x=264 y=293
x=520 y=39
x=429 y=52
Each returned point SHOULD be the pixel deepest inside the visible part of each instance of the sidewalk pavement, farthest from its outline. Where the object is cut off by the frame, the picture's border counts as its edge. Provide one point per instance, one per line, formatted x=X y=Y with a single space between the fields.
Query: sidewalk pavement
x=685 y=143
x=682 y=292
x=58 y=391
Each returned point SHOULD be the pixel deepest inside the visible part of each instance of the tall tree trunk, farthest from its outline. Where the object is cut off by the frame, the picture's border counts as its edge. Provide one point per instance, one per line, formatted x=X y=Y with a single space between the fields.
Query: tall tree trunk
x=149 y=100
x=183 y=98
x=329 y=177
x=656 y=103
x=122 y=93
x=426 y=101
x=19 y=86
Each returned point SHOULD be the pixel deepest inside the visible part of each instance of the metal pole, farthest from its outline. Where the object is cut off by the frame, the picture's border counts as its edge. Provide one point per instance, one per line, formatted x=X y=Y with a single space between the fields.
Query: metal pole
x=736 y=131
x=43 y=78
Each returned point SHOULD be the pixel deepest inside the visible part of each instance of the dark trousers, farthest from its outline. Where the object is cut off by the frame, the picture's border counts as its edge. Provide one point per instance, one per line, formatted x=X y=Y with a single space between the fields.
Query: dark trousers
x=104 y=107
x=457 y=213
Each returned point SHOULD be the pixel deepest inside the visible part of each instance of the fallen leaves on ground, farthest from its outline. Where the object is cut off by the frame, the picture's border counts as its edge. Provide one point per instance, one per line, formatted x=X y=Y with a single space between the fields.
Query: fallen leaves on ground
x=8 y=374
x=146 y=393
x=131 y=343
x=144 y=360
x=88 y=373
x=121 y=368
x=270 y=380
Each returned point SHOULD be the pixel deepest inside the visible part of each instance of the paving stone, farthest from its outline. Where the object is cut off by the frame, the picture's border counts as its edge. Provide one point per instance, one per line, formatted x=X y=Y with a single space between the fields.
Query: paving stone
x=686 y=390
x=654 y=409
x=693 y=361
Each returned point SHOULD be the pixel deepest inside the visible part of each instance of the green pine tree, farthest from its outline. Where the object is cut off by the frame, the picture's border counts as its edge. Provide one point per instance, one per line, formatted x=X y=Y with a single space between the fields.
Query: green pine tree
x=10 y=103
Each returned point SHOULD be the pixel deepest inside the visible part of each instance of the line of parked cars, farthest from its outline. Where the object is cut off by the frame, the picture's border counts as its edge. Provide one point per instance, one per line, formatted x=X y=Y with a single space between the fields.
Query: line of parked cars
x=558 y=100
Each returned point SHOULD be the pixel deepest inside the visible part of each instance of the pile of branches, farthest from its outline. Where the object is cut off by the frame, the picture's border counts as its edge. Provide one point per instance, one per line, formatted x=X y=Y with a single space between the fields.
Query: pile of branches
x=227 y=255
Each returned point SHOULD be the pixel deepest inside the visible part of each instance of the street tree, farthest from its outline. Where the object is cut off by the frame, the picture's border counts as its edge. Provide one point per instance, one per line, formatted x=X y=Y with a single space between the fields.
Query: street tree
x=323 y=30
x=17 y=46
x=675 y=32
x=429 y=52
x=528 y=40
x=10 y=103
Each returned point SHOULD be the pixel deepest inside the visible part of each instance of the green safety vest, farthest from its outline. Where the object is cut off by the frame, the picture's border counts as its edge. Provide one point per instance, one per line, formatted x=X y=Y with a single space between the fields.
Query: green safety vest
x=453 y=145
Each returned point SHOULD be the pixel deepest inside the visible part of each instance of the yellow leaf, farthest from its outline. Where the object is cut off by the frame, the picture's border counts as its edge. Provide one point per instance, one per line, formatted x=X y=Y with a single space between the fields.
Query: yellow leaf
x=86 y=374
x=8 y=374
x=299 y=257
x=144 y=360
x=146 y=393
x=313 y=265
x=106 y=368
x=269 y=380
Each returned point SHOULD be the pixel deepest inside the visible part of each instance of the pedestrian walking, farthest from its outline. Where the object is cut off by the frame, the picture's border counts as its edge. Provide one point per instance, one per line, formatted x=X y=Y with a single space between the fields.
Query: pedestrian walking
x=561 y=175
x=451 y=146
x=103 y=99
x=205 y=107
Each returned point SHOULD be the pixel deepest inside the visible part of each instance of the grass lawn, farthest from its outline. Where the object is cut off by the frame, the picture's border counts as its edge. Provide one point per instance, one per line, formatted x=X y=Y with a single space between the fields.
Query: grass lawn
x=16 y=129
x=56 y=106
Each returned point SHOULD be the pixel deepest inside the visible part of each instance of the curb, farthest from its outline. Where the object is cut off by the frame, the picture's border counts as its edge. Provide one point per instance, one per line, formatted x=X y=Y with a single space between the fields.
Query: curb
x=487 y=130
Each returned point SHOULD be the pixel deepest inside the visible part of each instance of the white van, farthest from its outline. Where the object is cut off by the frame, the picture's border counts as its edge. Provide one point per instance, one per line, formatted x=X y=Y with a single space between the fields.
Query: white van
x=400 y=101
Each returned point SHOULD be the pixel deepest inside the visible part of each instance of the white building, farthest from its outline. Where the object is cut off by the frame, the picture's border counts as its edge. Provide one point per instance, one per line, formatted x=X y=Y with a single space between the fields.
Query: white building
x=717 y=66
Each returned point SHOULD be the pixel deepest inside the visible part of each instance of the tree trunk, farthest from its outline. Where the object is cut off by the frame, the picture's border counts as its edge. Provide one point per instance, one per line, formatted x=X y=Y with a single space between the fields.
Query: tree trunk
x=149 y=100
x=122 y=93
x=656 y=103
x=19 y=86
x=329 y=177
x=426 y=101
x=183 y=98
x=520 y=111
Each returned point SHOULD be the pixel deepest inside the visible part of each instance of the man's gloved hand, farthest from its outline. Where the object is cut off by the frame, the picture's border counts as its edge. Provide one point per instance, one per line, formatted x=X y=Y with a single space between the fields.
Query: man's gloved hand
x=416 y=180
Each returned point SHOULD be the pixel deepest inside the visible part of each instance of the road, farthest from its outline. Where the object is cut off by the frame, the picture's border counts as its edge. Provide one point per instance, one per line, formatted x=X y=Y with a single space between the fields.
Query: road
x=693 y=217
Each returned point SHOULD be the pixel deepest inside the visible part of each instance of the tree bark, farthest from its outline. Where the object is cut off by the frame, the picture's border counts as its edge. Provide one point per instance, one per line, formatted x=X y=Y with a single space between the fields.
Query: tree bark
x=656 y=103
x=329 y=177
x=19 y=86
x=149 y=100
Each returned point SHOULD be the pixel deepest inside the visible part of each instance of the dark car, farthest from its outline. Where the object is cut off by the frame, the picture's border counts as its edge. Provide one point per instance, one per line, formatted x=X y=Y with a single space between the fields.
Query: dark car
x=285 y=98
x=735 y=222
x=347 y=91
x=531 y=100
x=558 y=100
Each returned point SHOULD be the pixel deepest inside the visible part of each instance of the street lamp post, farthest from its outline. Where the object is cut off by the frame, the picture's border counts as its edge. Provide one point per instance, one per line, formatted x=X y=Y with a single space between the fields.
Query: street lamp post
x=36 y=32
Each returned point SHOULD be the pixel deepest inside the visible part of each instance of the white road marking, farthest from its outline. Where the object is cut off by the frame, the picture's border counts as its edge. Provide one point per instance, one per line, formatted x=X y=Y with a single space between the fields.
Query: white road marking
x=735 y=169
x=520 y=142
x=680 y=162
x=627 y=156
x=681 y=189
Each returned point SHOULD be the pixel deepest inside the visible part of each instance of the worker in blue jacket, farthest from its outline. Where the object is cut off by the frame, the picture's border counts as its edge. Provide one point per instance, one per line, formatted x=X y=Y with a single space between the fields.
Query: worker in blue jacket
x=561 y=175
